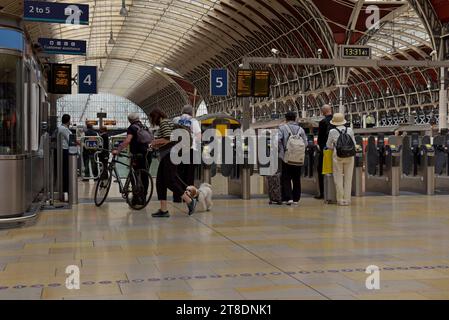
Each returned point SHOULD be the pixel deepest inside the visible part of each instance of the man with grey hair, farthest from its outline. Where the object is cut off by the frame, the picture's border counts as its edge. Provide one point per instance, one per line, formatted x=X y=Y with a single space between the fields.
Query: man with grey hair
x=323 y=133
x=186 y=171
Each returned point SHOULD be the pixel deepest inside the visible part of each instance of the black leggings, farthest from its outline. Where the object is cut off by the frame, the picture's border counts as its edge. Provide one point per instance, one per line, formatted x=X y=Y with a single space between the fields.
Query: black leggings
x=167 y=179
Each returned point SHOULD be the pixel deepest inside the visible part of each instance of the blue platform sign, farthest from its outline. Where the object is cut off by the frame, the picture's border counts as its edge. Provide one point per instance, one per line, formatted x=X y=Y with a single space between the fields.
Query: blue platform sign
x=219 y=82
x=61 y=46
x=55 y=12
x=87 y=79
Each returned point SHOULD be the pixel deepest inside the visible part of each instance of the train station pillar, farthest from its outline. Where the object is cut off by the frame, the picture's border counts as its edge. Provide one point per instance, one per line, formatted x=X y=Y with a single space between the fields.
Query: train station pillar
x=443 y=100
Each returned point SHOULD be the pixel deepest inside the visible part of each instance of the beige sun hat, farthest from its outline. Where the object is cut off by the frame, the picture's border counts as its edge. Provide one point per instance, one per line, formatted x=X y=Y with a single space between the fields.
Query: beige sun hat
x=338 y=119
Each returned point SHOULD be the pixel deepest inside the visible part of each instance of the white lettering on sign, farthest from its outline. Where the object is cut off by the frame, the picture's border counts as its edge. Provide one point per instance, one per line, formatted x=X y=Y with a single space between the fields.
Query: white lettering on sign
x=73 y=280
x=74 y=14
x=373 y=20
x=373 y=281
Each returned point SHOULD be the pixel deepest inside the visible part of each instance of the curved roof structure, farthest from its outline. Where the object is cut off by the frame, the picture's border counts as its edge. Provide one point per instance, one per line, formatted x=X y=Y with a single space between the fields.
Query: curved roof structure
x=162 y=50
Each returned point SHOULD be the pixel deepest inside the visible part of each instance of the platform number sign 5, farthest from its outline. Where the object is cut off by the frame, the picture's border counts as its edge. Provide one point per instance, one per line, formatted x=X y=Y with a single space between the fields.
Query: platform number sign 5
x=219 y=82
x=87 y=79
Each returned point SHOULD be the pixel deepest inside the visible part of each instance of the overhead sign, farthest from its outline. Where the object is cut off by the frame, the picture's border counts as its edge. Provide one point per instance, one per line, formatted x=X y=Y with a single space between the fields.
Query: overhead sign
x=87 y=79
x=11 y=39
x=55 y=12
x=61 y=46
x=60 y=79
x=355 y=52
x=102 y=115
x=244 y=83
x=253 y=83
x=109 y=122
x=92 y=122
x=219 y=82
x=261 y=83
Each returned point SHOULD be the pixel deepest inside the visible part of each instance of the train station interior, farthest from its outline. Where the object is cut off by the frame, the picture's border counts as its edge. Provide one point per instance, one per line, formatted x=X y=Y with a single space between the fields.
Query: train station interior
x=81 y=219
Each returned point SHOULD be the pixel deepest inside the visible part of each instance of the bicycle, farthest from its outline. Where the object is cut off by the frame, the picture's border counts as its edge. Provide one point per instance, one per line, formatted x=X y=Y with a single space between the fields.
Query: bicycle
x=133 y=190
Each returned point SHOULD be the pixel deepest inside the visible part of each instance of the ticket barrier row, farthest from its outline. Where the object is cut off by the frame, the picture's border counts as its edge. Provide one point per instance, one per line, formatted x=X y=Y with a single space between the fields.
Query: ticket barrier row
x=404 y=164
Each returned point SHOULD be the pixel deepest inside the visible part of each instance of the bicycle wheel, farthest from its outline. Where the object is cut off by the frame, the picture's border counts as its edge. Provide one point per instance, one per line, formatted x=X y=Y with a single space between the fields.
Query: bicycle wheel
x=102 y=189
x=137 y=197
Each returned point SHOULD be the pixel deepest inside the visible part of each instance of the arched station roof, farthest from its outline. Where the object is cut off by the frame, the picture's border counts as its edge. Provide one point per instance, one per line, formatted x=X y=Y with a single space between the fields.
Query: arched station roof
x=164 y=49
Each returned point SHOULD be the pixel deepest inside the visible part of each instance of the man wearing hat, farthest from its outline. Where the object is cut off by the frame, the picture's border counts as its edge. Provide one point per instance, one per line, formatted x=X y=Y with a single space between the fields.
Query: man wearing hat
x=343 y=168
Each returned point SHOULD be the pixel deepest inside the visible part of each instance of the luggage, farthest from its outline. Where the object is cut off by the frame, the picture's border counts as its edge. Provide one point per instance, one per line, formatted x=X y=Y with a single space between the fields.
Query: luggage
x=274 y=188
x=330 y=194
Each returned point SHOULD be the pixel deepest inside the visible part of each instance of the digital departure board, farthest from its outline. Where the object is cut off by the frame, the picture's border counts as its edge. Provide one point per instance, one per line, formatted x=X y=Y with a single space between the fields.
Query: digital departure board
x=92 y=122
x=109 y=122
x=261 y=83
x=355 y=52
x=244 y=83
x=60 y=79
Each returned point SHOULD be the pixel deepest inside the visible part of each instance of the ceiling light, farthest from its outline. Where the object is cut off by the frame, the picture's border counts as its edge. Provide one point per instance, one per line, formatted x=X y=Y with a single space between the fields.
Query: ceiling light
x=111 y=38
x=123 y=10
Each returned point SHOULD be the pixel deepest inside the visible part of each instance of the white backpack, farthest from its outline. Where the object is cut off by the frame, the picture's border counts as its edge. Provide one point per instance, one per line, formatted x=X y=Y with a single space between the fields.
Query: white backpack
x=296 y=148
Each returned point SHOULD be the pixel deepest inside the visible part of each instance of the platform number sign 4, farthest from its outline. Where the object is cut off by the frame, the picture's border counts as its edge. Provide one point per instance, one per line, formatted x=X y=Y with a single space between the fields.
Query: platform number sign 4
x=87 y=79
x=219 y=82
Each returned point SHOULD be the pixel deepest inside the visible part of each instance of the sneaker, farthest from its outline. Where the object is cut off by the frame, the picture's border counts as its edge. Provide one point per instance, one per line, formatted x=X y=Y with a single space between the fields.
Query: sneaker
x=192 y=206
x=290 y=202
x=161 y=214
x=295 y=203
x=287 y=203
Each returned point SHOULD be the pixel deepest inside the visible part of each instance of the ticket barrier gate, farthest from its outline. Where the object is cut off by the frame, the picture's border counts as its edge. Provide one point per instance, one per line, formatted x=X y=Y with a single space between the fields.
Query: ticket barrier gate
x=309 y=173
x=382 y=172
x=418 y=165
x=441 y=146
x=357 y=177
x=90 y=167
x=239 y=177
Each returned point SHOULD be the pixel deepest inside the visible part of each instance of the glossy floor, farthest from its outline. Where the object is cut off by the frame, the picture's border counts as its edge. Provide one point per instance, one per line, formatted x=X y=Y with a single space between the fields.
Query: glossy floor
x=240 y=250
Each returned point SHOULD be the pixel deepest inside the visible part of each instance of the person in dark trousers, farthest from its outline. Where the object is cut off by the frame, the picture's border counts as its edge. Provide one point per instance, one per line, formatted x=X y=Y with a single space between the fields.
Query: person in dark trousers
x=290 y=174
x=104 y=156
x=186 y=171
x=167 y=176
x=88 y=155
x=65 y=133
x=323 y=133
x=138 y=150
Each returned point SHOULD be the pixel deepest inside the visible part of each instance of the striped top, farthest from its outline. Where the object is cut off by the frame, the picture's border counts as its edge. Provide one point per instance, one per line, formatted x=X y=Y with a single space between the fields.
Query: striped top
x=165 y=129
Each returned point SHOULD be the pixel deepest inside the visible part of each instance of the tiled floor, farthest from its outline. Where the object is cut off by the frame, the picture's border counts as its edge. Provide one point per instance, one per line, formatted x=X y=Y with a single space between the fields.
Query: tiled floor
x=240 y=250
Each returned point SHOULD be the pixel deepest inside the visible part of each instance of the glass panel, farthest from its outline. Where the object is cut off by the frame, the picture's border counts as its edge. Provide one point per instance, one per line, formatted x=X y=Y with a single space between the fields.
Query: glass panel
x=10 y=103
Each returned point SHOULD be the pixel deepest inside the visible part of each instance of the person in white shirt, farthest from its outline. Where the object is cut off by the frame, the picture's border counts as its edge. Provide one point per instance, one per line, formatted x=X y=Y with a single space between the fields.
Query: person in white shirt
x=343 y=168
x=186 y=171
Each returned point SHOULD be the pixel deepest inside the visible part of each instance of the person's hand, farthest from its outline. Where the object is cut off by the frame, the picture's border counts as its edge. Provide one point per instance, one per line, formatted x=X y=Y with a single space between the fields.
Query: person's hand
x=115 y=152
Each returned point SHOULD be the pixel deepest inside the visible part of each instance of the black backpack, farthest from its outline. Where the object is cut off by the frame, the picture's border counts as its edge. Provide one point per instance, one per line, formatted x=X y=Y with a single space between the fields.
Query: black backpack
x=345 y=145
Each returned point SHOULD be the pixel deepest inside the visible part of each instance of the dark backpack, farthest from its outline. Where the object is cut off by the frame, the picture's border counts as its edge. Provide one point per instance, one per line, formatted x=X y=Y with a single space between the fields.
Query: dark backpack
x=345 y=145
x=144 y=136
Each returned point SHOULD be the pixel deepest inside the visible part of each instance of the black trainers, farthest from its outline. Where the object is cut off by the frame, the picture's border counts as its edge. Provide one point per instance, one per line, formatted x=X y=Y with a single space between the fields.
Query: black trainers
x=161 y=214
x=192 y=206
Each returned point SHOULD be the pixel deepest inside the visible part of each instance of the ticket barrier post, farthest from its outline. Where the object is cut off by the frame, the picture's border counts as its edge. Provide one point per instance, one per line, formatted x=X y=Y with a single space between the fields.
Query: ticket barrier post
x=441 y=146
x=419 y=175
x=239 y=183
x=382 y=167
x=89 y=146
x=357 y=178
x=73 y=173
x=309 y=173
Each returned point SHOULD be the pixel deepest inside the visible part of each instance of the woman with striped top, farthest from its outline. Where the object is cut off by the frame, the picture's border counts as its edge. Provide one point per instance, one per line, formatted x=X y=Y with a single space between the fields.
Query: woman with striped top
x=167 y=173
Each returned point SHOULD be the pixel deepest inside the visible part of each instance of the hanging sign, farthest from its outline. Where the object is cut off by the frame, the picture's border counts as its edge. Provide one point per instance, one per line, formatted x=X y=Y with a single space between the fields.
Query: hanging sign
x=61 y=46
x=55 y=12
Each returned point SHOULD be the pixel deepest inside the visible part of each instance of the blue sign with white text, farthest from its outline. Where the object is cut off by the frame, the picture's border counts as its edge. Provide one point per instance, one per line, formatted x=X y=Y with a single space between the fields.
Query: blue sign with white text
x=61 y=46
x=87 y=79
x=219 y=82
x=54 y=12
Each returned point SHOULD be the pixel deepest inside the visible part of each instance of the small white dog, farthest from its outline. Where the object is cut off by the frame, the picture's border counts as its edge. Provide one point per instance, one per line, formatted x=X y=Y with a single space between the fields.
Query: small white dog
x=204 y=196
